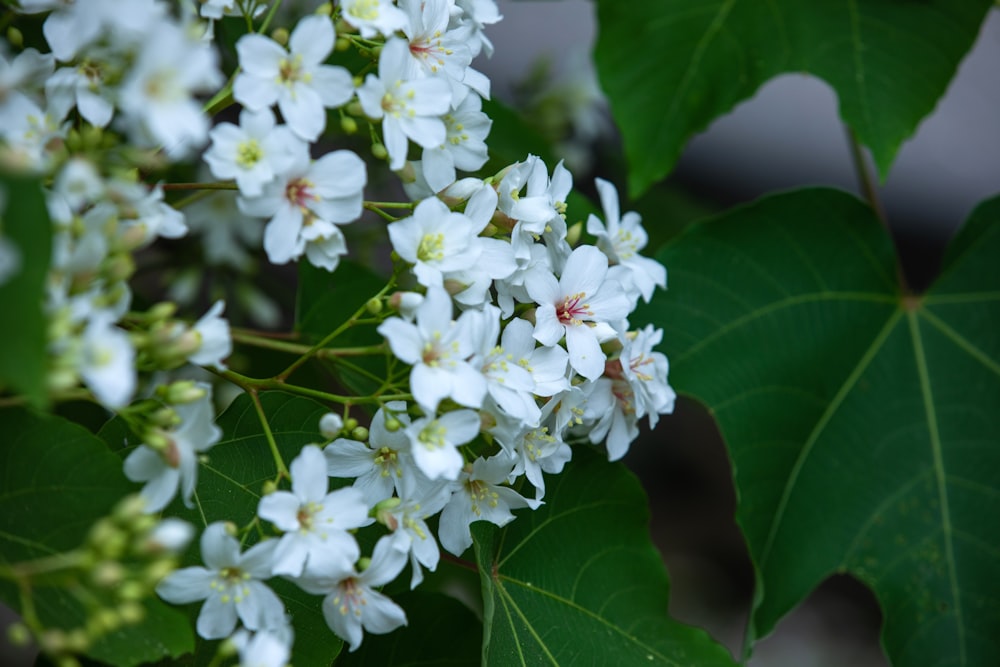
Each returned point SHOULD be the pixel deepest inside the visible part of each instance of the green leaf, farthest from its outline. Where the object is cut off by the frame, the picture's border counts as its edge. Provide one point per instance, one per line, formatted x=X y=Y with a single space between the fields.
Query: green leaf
x=25 y=224
x=440 y=632
x=57 y=480
x=579 y=582
x=326 y=300
x=862 y=424
x=229 y=489
x=671 y=67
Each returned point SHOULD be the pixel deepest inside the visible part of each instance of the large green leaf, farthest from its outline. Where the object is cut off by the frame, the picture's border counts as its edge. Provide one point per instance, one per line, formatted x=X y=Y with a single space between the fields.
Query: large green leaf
x=230 y=485
x=863 y=424
x=578 y=582
x=670 y=67
x=56 y=480
x=25 y=225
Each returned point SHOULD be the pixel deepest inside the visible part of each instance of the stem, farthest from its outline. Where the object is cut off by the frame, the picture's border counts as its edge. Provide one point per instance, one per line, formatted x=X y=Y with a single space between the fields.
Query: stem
x=248 y=338
x=252 y=385
x=219 y=185
x=44 y=565
x=333 y=334
x=459 y=562
x=278 y=461
x=868 y=186
x=866 y=180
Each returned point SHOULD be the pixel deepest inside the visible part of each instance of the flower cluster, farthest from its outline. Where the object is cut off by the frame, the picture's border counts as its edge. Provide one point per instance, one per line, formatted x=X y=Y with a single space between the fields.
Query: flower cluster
x=514 y=335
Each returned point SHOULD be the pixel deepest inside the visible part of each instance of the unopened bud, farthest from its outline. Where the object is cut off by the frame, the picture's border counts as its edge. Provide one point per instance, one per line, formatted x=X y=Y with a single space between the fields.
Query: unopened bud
x=165 y=418
x=374 y=305
x=342 y=44
x=348 y=125
x=181 y=392
x=355 y=108
x=489 y=230
x=14 y=37
x=157 y=571
x=453 y=286
x=227 y=648
x=268 y=487
x=157 y=440
x=379 y=151
x=119 y=267
x=231 y=529
x=280 y=35
x=392 y=424
x=330 y=425
x=108 y=574
x=131 y=591
x=129 y=509
x=573 y=233
x=77 y=641
x=52 y=641
x=131 y=612
x=363 y=563
x=161 y=311
x=350 y=424
x=326 y=9
x=18 y=634
x=382 y=512
x=359 y=433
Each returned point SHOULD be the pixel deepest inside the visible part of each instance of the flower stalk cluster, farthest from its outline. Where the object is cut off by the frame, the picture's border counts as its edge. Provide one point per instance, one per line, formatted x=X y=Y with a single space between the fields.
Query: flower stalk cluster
x=505 y=336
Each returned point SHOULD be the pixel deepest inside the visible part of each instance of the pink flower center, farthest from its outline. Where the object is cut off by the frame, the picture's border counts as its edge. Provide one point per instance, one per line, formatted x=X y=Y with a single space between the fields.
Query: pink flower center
x=573 y=311
x=299 y=192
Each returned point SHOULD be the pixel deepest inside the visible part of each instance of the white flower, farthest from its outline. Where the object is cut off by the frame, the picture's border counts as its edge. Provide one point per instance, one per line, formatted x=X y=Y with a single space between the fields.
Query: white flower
x=480 y=497
x=307 y=201
x=108 y=362
x=434 y=442
x=409 y=108
x=464 y=147
x=230 y=585
x=410 y=532
x=253 y=153
x=176 y=466
x=315 y=522
x=435 y=240
x=622 y=239
x=372 y=17
x=264 y=649
x=216 y=342
x=438 y=349
x=157 y=95
x=297 y=80
x=379 y=467
x=579 y=306
x=352 y=603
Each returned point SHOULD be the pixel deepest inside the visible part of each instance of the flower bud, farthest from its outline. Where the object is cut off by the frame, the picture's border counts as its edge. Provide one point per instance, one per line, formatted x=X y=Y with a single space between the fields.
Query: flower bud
x=131 y=591
x=77 y=641
x=359 y=433
x=407 y=174
x=348 y=125
x=330 y=425
x=573 y=233
x=18 y=634
x=363 y=563
x=181 y=392
x=280 y=35
x=157 y=571
x=52 y=641
x=374 y=305
x=129 y=509
x=161 y=311
x=269 y=487
x=166 y=418
x=131 y=612
x=392 y=424
x=326 y=9
x=342 y=44
x=379 y=152
x=108 y=574
x=14 y=37
x=355 y=108
x=350 y=424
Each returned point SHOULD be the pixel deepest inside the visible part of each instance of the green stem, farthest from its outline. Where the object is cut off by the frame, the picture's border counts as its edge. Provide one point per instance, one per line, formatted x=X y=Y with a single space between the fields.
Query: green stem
x=278 y=461
x=219 y=185
x=39 y=566
x=351 y=321
x=266 y=343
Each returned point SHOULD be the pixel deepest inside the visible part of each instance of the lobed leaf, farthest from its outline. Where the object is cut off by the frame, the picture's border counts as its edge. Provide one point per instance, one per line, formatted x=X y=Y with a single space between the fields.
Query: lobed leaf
x=862 y=423
x=578 y=582
x=671 y=67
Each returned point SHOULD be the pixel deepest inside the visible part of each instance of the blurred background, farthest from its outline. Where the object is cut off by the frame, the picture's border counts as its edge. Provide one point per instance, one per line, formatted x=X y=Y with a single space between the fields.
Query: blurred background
x=788 y=135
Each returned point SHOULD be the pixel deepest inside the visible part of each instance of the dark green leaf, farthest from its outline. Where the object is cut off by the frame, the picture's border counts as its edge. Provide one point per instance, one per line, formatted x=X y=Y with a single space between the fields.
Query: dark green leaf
x=440 y=632
x=326 y=300
x=862 y=424
x=25 y=224
x=578 y=582
x=57 y=480
x=671 y=67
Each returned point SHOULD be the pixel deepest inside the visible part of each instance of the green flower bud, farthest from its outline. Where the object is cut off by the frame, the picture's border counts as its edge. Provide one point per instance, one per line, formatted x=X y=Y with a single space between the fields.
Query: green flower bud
x=269 y=487
x=350 y=424
x=108 y=574
x=15 y=38
x=342 y=44
x=131 y=613
x=374 y=305
x=392 y=424
x=359 y=433
x=280 y=35
x=363 y=563
x=379 y=151
x=348 y=125
x=18 y=634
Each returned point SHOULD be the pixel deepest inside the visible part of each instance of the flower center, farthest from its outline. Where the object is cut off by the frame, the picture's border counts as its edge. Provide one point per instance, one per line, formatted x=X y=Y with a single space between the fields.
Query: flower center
x=431 y=248
x=248 y=153
x=366 y=10
x=572 y=311
x=299 y=192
